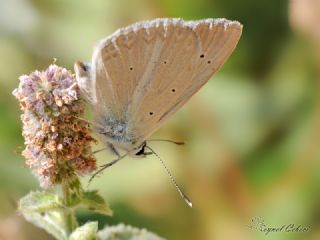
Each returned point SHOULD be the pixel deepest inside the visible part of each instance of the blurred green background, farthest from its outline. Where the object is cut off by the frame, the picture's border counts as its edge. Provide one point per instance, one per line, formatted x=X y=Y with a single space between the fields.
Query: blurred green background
x=252 y=133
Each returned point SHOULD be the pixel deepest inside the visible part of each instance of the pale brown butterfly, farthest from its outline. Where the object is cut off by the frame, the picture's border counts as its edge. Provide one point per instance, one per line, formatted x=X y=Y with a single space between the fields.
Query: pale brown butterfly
x=142 y=74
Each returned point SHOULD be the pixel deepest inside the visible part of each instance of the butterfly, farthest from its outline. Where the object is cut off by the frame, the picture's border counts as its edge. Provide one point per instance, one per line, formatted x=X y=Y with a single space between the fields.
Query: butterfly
x=142 y=74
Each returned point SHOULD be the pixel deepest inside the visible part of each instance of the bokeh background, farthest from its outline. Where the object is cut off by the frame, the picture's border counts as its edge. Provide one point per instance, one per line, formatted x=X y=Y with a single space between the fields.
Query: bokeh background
x=252 y=133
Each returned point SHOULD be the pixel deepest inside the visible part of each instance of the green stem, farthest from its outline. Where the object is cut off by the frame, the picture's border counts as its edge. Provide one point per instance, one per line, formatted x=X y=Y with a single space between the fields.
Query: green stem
x=69 y=218
x=70 y=192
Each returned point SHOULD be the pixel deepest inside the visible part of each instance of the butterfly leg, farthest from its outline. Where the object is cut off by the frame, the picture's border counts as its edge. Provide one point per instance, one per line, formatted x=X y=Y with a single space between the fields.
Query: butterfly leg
x=166 y=140
x=103 y=167
x=113 y=149
x=109 y=147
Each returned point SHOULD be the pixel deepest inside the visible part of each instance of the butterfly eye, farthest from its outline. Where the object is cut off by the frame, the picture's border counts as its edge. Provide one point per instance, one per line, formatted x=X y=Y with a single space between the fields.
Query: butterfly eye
x=202 y=56
x=131 y=68
x=150 y=113
x=165 y=62
x=209 y=62
x=84 y=67
x=173 y=90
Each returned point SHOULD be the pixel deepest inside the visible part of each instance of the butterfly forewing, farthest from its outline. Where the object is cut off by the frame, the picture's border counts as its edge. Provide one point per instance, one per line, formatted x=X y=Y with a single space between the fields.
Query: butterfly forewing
x=147 y=71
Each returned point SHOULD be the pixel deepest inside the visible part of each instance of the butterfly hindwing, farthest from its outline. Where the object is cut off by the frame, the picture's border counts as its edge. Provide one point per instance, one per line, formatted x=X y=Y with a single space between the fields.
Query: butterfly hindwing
x=218 y=38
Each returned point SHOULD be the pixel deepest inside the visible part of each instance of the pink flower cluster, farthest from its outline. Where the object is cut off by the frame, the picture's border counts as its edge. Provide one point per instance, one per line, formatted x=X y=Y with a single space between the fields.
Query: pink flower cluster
x=58 y=142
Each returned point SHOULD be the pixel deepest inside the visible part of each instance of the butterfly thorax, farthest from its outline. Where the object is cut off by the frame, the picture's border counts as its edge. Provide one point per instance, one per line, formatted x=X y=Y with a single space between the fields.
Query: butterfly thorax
x=115 y=133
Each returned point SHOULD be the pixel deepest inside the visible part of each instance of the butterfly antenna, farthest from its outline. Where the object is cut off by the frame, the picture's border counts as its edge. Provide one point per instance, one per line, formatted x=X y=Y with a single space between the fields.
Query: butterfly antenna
x=184 y=196
x=166 y=140
x=103 y=167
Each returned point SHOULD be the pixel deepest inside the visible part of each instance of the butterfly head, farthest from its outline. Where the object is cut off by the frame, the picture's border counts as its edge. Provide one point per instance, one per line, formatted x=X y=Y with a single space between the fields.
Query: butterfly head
x=139 y=152
x=81 y=69
x=83 y=77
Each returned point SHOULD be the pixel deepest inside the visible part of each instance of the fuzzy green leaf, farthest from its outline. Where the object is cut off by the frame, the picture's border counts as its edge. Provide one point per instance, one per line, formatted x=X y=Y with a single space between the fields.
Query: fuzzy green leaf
x=125 y=232
x=87 y=231
x=92 y=201
x=52 y=222
x=43 y=209
x=40 y=202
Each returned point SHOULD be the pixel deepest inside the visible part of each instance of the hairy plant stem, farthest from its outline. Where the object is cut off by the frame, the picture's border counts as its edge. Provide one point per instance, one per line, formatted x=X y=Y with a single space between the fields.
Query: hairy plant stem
x=70 y=220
